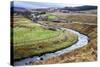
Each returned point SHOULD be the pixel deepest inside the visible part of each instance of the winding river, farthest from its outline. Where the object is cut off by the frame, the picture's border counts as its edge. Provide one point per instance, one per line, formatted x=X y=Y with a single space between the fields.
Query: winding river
x=82 y=41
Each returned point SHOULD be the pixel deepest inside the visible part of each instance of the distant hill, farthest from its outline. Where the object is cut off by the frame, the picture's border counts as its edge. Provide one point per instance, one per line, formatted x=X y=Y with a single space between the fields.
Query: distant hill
x=80 y=8
x=18 y=9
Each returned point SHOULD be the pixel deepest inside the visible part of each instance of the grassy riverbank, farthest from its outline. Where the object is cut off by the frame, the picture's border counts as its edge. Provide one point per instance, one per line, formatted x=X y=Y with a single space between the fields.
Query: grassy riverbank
x=30 y=39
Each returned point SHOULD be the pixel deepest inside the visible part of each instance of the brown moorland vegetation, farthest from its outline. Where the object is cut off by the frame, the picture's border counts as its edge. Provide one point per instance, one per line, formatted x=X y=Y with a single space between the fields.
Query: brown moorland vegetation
x=86 y=53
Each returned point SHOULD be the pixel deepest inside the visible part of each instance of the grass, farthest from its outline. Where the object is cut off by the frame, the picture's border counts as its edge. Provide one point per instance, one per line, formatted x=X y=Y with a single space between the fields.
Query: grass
x=87 y=53
x=88 y=18
x=51 y=17
x=26 y=34
x=30 y=39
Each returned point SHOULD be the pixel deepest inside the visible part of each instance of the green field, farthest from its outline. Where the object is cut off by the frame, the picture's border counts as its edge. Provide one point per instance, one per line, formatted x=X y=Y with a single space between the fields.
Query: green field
x=37 y=33
x=30 y=39
x=50 y=16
